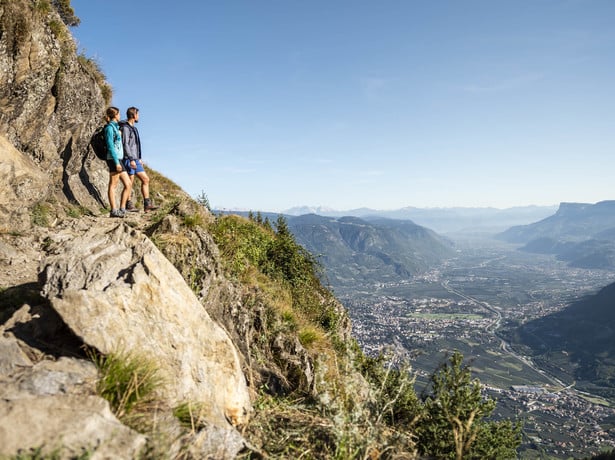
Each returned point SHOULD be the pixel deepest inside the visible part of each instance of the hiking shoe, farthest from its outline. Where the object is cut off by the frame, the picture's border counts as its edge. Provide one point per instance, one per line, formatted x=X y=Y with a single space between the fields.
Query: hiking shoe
x=130 y=206
x=148 y=206
x=116 y=213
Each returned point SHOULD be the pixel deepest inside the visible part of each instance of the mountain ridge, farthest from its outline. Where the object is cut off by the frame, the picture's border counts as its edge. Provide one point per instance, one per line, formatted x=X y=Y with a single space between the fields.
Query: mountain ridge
x=444 y=219
x=582 y=234
x=355 y=250
x=560 y=342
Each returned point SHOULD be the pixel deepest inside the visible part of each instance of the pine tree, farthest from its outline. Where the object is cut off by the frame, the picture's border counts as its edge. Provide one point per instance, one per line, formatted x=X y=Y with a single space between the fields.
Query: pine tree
x=453 y=425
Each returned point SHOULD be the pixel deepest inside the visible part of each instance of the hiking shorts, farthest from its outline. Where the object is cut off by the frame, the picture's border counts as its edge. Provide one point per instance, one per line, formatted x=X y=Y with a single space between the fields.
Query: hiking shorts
x=111 y=166
x=130 y=170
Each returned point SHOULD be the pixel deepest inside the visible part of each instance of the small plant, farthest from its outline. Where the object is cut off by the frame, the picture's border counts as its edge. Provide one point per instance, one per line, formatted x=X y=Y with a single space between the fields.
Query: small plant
x=289 y=317
x=76 y=211
x=107 y=92
x=59 y=30
x=193 y=220
x=191 y=415
x=40 y=215
x=203 y=201
x=66 y=12
x=43 y=7
x=309 y=335
x=93 y=68
x=127 y=381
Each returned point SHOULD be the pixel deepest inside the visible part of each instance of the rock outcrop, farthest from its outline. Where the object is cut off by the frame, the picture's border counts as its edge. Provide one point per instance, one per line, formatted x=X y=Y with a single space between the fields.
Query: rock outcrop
x=50 y=100
x=118 y=293
x=22 y=184
x=52 y=403
x=74 y=283
x=104 y=286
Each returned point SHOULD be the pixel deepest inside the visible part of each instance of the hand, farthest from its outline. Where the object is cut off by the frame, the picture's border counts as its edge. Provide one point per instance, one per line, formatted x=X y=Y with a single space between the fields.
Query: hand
x=135 y=164
x=118 y=167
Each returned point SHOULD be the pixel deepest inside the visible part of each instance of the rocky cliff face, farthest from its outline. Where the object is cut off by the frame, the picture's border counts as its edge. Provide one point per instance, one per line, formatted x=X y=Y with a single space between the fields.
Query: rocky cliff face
x=76 y=287
x=50 y=102
x=87 y=283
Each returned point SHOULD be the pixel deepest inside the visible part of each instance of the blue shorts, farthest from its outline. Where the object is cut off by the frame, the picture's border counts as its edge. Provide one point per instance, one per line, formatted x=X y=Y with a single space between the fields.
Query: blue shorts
x=130 y=170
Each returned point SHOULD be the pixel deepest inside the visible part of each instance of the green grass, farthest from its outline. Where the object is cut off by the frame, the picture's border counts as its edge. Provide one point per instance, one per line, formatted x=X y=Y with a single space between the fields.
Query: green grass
x=40 y=214
x=192 y=415
x=128 y=381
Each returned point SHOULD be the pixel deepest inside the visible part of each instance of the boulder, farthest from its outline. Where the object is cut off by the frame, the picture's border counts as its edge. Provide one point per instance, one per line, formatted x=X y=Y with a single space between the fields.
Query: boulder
x=50 y=407
x=68 y=425
x=118 y=293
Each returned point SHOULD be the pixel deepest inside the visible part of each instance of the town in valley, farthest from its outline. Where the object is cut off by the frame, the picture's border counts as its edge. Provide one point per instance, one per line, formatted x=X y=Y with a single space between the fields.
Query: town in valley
x=467 y=304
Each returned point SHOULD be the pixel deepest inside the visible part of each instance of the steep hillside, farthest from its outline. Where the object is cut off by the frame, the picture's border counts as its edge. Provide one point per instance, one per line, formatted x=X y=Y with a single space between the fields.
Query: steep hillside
x=577 y=344
x=581 y=234
x=358 y=251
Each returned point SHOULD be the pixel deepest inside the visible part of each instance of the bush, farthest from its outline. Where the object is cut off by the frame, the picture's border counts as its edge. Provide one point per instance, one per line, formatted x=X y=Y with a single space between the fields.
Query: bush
x=66 y=12
x=41 y=214
x=396 y=402
x=453 y=423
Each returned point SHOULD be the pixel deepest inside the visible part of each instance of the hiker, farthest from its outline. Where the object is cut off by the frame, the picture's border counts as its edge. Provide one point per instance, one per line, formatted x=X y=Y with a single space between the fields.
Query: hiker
x=115 y=152
x=132 y=158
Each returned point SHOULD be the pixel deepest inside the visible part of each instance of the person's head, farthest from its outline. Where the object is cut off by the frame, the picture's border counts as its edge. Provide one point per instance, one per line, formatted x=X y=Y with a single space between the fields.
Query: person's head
x=132 y=113
x=112 y=113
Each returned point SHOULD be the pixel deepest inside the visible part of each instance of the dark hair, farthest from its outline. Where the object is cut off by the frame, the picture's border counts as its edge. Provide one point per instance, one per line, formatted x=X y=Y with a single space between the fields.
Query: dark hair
x=131 y=112
x=111 y=113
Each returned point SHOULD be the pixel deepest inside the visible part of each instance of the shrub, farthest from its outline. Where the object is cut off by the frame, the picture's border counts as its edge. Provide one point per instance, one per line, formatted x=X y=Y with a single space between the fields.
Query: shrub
x=395 y=400
x=193 y=220
x=43 y=7
x=76 y=211
x=41 y=214
x=203 y=201
x=59 y=30
x=453 y=425
x=66 y=12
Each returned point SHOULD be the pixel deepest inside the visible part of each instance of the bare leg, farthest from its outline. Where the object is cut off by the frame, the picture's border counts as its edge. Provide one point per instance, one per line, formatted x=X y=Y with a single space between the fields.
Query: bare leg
x=127 y=188
x=113 y=177
x=143 y=177
x=132 y=184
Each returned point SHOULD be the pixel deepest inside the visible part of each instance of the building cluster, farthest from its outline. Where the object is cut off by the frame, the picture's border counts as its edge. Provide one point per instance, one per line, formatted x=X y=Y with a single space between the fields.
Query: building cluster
x=563 y=422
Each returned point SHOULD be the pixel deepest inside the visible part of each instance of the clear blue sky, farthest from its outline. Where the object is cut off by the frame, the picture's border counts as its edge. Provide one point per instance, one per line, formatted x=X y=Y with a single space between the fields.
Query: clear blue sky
x=269 y=104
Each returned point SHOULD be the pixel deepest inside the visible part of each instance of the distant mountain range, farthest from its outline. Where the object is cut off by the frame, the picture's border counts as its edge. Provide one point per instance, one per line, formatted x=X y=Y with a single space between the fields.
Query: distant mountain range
x=356 y=251
x=577 y=341
x=580 y=233
x=445 y=220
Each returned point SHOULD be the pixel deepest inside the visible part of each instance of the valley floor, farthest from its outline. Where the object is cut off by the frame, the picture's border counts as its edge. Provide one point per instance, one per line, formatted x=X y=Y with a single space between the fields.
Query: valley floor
x=467 y=304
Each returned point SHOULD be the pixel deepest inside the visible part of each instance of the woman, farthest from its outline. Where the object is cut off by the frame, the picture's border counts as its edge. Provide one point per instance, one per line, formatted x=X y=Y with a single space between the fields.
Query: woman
x=115 y=153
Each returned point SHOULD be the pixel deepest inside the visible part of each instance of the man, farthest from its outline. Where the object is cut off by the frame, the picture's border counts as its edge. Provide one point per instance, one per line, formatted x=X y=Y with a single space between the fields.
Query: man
x=132 y=158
